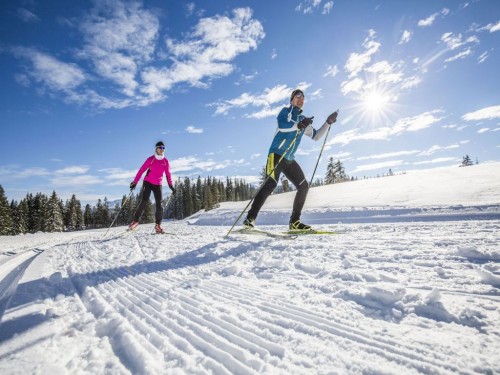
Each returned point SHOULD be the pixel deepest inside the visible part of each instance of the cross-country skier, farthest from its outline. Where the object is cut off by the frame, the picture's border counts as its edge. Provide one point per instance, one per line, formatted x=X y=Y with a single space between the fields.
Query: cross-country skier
x=155 y=165
x=292 y=125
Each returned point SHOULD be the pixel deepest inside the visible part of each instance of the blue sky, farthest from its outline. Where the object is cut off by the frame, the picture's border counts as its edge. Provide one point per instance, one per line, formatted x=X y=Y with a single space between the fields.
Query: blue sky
x=88 y=89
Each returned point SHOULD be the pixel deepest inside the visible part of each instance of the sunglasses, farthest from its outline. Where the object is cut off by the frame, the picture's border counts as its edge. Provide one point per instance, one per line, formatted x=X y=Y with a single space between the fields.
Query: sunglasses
x=161 y=147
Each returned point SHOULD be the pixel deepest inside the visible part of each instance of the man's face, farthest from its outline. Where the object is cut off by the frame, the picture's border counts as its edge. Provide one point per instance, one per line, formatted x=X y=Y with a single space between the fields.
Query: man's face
x=298 y=100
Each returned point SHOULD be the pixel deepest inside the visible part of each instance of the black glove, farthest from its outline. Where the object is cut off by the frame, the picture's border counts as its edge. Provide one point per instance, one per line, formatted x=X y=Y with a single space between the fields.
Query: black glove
x=132 y=185
x=172 y=188
x=332 y=118
x=305 y=122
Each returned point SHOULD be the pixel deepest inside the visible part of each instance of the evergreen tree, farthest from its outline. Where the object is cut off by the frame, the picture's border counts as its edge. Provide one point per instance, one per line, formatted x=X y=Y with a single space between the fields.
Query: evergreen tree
x=6 y=223
x=340 y=171
x=188 y=199
x=285 y=185
x=15 y=210
x=331 y=173
x=88 y=217
x=148 y=216
x=466 y=161
x=54 y=221
x=195 y=198
x=207 y=203
x=39 y=208
x=23 y=217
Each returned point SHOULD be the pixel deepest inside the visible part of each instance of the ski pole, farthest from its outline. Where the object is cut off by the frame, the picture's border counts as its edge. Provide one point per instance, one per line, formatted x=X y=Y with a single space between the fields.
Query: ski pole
x=321 y=152
x=118 y=214
x=265 y=180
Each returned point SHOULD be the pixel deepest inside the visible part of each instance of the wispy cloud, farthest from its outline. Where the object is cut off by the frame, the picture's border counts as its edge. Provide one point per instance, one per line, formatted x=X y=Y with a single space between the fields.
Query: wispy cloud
x=388 y=155
x=458 y=56
x=482 y=57
x=310 y=6
x=27 y=16
x=266 y=101
x=76 y=169
x=408 y=124
x=121 y=47
x=487 y=113
x=435 y=148
x=430 y=20
x=191 y=163
x=357 y=61
x=375 y=166
x=192 y=130
x=331 y=71
x=435 y=161
x=405 y=38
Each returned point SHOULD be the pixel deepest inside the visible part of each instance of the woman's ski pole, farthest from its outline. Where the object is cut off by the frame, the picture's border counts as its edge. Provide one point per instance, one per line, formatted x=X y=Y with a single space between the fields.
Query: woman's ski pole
x=265 y=180
x=124 y=202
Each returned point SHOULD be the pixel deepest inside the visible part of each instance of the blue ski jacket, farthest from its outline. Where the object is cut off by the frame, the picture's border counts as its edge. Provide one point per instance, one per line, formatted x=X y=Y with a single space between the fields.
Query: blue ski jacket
x=287 y=129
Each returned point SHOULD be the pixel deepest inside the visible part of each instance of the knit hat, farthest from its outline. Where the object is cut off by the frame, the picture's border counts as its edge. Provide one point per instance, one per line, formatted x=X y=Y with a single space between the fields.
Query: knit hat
x=295 y=92
x=160 y=143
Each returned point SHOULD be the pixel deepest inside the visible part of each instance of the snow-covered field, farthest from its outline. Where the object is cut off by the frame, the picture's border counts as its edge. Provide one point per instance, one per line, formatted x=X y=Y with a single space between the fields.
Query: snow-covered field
x=410 y=284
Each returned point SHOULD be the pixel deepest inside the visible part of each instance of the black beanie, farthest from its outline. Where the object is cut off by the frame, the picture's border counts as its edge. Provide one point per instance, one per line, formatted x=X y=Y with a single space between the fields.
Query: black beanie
x=158 y=144
x=295 y=92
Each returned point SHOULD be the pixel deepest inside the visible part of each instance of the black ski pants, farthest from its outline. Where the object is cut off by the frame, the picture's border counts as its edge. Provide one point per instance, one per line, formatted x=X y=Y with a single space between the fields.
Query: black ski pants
x=291 y=169
x=147 y=188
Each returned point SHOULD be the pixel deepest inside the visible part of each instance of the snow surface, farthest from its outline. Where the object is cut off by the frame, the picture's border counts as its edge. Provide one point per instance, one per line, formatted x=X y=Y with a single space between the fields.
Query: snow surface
x=409 y=285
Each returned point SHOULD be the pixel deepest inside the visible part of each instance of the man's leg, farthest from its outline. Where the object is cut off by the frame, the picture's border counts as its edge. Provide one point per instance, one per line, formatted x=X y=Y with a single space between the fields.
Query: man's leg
x=269 y=186
x=296 y=176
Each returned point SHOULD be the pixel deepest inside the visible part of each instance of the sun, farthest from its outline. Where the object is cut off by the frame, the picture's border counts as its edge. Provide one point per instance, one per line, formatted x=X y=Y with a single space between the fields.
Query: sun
x=375 y=101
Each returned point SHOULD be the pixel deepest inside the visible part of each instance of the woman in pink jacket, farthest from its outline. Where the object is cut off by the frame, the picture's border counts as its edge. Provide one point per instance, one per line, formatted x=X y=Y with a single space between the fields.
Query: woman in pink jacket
x=156 y=165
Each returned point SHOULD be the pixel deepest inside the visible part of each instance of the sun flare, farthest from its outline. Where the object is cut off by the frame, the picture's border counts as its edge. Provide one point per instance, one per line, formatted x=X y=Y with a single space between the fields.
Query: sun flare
x=375 y=101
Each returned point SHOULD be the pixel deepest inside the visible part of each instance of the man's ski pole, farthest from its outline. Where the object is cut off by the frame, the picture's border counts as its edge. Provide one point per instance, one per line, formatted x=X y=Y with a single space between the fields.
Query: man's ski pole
x=124 y=203
x=321 y=152
x=265 y=180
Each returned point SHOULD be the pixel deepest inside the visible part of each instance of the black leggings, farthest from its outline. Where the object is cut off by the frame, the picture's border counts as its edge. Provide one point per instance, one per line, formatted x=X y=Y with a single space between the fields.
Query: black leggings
x=291 y=169
x=147 y=187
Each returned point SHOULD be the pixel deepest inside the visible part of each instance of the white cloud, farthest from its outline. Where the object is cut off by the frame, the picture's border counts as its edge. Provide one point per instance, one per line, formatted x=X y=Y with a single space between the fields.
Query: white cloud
x=121 y=45
x=51 y=72
x=428 y=21
x=327 y=7
x=389 y=155
x=461 y=55
x=193 y=130
x=190 y=163
x=405 y=38
x=264 y=100
x=357 y=61
x=331 y=71
x=206 y=52
x=119 y=38
x=274 y=54
x=483 y=130
x=436 y=148
x=353 y=86
x=487 y=113
x=456 y=41
x=76 y=169
x=416 y=123
x=411 y=82
x=482 y=57
x=435 y=161
x=253 y=156
x=408 y=124
x=75 y=181
x=490 y=27
x=375 y=166
x=27 y=16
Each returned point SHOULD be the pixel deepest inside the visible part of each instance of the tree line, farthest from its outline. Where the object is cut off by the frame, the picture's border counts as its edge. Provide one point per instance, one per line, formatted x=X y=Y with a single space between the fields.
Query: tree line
x=41 y=213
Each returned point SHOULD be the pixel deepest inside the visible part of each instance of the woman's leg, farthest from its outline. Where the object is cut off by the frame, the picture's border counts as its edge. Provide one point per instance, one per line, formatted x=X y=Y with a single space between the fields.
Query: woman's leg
x=159 y=210
x=146 y=193
x=296 y=176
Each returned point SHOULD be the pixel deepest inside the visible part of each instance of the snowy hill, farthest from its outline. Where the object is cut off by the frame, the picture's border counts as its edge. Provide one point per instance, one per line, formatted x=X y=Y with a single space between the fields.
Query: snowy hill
x=449 y=192
x=410 y=284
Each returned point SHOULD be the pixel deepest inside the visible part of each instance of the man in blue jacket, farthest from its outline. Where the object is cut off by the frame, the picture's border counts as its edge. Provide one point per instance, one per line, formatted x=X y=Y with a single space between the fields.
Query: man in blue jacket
x=292 y=125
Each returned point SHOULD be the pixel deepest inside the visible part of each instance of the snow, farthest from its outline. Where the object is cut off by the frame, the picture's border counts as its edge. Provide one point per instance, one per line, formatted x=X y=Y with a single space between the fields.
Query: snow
x=410 y=284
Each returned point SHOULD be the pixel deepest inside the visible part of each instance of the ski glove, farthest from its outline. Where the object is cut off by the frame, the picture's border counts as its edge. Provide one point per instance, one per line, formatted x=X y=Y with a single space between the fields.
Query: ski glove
x=133 y=185
x=172 y=188
x=305 y=122
x=332 y=118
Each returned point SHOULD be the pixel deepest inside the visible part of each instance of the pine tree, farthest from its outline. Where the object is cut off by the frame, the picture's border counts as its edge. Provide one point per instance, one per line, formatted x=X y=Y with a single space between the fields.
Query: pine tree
x=15 y=210
x=331 y=173
x=188 y=200
x=466 y=161
x=6 y=223
x=54 y=217
x=88 y=217
x=23 y=217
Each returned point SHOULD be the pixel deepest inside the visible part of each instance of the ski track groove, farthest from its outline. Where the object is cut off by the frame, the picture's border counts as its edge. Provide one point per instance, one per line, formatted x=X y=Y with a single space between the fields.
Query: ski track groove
x=143 y=300
x=122 y=307
x=231 y=357
x=340 y=330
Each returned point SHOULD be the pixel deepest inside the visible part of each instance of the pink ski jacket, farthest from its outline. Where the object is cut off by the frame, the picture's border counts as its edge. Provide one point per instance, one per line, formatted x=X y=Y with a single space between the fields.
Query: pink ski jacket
x=155 y=171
